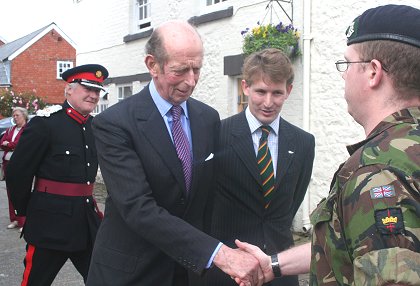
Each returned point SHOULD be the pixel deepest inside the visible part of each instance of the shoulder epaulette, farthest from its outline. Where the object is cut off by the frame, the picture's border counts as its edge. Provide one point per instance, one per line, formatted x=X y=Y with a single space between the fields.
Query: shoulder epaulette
x=47 y=111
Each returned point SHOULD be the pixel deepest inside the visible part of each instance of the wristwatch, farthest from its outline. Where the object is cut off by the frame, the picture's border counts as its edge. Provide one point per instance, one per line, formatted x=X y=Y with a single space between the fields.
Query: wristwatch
x=275 y=266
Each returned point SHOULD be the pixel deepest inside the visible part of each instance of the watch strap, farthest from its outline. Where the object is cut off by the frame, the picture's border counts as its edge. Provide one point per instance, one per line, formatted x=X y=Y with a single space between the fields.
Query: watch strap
x=275 y=266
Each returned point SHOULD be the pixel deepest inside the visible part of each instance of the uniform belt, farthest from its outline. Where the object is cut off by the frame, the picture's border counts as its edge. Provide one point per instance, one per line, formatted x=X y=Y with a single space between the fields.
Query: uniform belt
x=64 y=189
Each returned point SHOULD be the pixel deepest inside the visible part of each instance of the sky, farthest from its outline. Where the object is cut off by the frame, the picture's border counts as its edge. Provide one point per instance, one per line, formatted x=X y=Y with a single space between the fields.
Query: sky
x=21 y=17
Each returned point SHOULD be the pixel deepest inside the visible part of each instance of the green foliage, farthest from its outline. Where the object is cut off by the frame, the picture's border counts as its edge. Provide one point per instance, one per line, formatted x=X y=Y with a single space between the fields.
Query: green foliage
x=10 y=100
x=285 y=38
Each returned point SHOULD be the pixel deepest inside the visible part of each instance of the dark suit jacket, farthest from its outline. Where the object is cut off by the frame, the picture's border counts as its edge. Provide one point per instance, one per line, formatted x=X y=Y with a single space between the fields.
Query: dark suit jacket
x=239 y=203
x=150 y=224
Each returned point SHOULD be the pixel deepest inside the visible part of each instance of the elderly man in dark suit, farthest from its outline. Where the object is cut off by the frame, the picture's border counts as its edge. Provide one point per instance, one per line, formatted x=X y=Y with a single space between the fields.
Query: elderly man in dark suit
x=264 y=165
x=155 y=150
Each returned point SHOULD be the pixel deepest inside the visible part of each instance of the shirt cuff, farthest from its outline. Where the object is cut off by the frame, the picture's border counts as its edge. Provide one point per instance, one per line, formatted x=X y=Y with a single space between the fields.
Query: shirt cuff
x=210 y=263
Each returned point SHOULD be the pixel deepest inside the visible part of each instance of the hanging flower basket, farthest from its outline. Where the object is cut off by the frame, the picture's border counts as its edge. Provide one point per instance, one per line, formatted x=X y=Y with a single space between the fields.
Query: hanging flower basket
x=285 y=38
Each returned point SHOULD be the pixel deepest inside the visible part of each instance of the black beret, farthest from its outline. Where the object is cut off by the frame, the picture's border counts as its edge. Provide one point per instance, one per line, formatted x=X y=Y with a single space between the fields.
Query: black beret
x=91 y=75
x=399 y=23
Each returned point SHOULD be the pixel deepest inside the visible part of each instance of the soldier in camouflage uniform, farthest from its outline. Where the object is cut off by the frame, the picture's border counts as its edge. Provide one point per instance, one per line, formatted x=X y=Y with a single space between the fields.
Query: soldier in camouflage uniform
x=367 y=231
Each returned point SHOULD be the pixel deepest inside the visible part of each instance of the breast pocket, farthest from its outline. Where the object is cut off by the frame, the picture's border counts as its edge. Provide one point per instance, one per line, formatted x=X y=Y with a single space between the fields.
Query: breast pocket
x=68 y=160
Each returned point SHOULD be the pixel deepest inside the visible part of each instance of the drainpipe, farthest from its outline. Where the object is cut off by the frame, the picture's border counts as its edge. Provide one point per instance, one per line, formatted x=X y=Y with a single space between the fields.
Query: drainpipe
x=307 y=38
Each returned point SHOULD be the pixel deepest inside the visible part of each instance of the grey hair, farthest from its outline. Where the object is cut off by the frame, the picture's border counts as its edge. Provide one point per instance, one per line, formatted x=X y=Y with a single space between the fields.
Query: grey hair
x=24 y=112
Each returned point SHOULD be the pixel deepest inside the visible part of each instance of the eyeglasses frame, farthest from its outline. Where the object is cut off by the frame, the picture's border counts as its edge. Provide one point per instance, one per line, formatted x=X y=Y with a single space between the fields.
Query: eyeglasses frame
x=341 y=62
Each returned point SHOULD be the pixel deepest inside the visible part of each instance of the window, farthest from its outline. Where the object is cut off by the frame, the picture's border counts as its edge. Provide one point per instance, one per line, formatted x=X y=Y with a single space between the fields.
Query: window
x=212 y=2
x=210 y=6
x=99 y=108
x=62 y=66
x=142 y=14
x=242 y=98
x=124 y=92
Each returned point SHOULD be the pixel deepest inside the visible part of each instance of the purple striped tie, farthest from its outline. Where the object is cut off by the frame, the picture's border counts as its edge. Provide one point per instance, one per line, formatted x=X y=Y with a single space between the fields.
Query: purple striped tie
x=182 y=145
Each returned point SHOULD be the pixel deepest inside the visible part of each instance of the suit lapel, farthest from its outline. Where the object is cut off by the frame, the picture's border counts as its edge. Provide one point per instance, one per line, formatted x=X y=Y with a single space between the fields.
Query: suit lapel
x=199 y=143
x=152 y=126
x=243 y=146
x=286 y=150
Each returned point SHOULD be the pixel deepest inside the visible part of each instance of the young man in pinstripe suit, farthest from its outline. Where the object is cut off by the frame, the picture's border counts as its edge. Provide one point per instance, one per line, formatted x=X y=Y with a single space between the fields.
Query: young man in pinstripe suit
x=249 y=204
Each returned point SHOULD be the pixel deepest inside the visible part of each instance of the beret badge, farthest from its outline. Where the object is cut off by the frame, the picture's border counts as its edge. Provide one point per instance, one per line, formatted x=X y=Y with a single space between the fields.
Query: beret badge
x=350 y=30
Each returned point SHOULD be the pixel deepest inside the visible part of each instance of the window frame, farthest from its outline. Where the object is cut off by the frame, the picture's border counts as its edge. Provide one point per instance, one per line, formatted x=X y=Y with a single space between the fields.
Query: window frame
x=241 y=98
x=212 y=7
x=144 y=24
x=63 y=69
x=121 y=87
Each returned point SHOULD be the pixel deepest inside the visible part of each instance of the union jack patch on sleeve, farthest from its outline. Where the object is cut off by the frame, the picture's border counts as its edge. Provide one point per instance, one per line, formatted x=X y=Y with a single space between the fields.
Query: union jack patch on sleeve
x=382 y=192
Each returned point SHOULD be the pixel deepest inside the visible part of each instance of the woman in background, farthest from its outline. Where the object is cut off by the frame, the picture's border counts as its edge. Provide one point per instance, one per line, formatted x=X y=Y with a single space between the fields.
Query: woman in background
x=8 y=143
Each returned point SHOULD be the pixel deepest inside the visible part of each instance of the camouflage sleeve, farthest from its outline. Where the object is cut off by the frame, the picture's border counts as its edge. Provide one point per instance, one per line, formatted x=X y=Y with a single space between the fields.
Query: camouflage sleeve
x=381 y=225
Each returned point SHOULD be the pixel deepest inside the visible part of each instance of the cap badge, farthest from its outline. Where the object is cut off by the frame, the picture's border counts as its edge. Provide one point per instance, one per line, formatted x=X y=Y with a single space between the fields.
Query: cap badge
x=350 y=30
x=98 y=74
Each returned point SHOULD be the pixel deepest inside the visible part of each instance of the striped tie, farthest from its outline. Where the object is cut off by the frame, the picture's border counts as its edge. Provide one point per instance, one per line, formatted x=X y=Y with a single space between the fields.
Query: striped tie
x=265 y=165
x=182 y=145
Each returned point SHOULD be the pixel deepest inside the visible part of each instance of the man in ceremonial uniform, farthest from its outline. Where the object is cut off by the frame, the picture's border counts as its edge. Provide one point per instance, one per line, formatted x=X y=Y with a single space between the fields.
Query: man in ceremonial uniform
x=57 y=151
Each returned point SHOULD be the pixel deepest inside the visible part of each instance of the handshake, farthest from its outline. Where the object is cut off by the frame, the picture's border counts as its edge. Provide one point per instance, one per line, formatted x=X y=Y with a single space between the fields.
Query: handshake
x=248 y=265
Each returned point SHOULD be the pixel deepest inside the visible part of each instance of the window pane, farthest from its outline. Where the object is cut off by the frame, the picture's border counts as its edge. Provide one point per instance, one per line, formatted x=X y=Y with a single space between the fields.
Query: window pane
x=141 y=16
x=127 y=91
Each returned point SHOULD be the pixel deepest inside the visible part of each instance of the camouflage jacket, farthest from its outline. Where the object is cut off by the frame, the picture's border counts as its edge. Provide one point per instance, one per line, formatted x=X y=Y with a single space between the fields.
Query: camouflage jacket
x=367 y=231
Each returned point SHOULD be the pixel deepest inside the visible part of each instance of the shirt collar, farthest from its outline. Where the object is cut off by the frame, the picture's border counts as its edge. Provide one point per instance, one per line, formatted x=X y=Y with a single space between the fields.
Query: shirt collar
x=163 y=105
x=254 y=123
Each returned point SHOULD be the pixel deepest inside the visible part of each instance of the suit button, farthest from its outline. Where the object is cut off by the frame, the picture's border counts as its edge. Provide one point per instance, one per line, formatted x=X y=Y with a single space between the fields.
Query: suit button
x=67 y=152
x=87 y=200
x=182 y=201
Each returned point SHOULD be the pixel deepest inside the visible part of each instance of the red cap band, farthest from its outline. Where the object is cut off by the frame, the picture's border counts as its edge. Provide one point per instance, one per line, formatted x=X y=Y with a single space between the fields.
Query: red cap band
x=98 y=77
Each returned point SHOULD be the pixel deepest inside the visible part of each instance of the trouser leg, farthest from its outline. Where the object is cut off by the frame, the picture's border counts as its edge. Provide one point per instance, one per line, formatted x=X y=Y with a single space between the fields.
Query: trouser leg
x=81 y=261
x=42 y=265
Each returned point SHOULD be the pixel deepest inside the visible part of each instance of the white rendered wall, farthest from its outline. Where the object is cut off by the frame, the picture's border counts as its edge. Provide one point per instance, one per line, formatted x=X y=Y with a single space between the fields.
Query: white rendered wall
x=329 y=121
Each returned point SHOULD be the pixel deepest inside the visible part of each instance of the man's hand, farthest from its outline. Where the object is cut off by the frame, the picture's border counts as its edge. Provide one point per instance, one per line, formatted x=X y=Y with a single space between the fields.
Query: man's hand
x=240 y=265
x=264 y=259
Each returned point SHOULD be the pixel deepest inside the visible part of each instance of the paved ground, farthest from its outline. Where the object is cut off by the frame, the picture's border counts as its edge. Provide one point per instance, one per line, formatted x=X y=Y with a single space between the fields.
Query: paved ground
x=12 y=249
x=12 y=252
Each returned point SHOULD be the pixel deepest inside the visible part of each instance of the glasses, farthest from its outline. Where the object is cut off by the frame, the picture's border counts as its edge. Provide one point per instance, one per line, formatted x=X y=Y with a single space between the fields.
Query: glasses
x=342 y=66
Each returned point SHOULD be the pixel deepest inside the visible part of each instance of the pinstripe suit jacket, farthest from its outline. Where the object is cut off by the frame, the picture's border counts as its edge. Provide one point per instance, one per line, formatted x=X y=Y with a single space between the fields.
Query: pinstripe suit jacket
x=150 y=224
x=239 y=203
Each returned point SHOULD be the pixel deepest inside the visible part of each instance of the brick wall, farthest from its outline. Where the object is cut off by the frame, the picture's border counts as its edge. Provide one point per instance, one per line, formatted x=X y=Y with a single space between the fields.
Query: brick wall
x=35 y=70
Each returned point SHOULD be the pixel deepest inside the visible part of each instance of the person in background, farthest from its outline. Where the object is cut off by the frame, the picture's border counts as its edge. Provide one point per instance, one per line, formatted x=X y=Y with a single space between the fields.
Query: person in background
x=263 y=165
x=156 y=151
x=57 y=151
x=8 y=144
x=367 y=231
